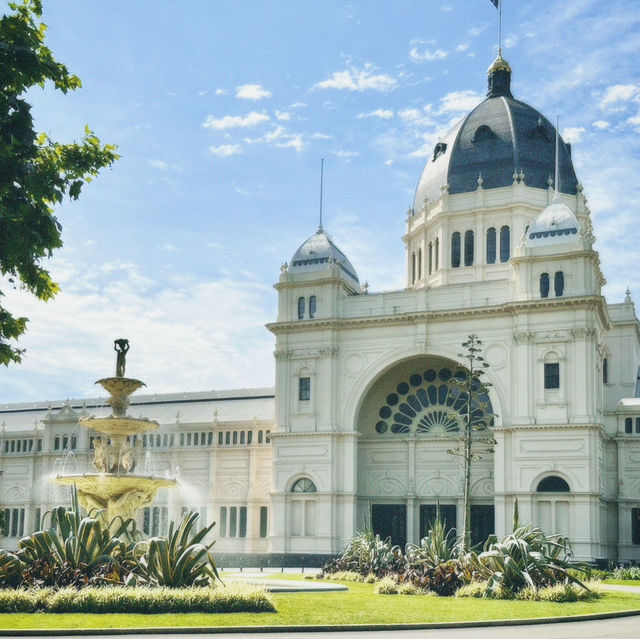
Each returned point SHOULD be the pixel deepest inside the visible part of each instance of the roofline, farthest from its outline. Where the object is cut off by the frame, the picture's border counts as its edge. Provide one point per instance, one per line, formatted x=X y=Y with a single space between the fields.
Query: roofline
x=141 y=400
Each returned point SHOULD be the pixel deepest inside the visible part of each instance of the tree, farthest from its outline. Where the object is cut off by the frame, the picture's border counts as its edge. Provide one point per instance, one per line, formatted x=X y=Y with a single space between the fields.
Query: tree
x=36 y=173
x=475 y=417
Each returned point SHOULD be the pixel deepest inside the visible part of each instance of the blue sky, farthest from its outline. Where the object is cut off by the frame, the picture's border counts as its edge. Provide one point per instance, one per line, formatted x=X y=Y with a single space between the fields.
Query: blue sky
x=222 y=112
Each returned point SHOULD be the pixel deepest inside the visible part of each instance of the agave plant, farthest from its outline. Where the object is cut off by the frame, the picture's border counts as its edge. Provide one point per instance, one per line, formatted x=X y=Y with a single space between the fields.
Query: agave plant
x=438 y=547
x=366 y=553
x=524 y=558
x=180 y=559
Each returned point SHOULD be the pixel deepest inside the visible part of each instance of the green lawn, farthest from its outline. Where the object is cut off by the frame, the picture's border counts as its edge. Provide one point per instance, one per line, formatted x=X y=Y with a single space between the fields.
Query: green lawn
x=622 y=582
x=357 y=606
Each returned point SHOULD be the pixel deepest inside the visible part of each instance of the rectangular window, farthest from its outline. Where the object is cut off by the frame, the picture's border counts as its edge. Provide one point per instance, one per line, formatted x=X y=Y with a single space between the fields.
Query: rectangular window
x=6 y=446
x=189 y=439
x=203 y=439
x=227 y=438
x=5 y=528
x=39 y=449
x=304 y=389
x=635 y=526
x=146 y=521
x=552 y=376
x=235 y=436
x=13 y=444
x=263 y=521
x=223 y=521
x=220 y=438
x=605 y=371
x=14 y=522
x=144 y=441
x=637 y=425
x=36 y=519
x=242 y=437
x=242 y=529
x=19 y=447
x=628 y=425
x=210 y=438
x=267 y=439
x=259 y=437
x=196 y=439
x=249 y=436
x=74 y=442
x=233 y=521
x=181 y=439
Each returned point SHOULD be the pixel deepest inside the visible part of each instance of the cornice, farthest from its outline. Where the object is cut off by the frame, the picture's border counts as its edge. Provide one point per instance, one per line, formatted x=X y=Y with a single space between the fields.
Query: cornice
x=506 y=309
x=315 y=435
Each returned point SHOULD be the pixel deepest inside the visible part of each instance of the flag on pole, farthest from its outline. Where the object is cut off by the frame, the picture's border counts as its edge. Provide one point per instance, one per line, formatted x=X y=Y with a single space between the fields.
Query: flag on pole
x=495 y=3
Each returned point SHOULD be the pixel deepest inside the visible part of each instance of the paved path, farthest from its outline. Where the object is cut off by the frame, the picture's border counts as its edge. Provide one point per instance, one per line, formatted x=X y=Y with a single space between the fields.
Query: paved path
x=625 y=627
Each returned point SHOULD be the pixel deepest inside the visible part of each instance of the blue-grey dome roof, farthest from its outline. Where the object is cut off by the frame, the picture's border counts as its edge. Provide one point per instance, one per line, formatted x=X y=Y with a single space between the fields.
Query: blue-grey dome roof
x=499 y=137
x=317 y=253
x=555 y=224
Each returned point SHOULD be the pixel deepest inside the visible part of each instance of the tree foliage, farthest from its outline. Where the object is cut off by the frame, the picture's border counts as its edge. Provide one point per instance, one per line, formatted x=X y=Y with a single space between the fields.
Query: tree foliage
x=36 y=172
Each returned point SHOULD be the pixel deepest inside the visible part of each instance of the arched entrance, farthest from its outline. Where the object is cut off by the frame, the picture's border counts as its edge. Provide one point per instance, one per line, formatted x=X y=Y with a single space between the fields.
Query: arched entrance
x=408 y=420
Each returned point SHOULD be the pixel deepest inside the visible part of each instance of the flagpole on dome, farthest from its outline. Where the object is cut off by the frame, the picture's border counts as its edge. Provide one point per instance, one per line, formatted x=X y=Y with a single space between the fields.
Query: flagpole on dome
x=498 y=5
x=557 y=167
x=321 y=185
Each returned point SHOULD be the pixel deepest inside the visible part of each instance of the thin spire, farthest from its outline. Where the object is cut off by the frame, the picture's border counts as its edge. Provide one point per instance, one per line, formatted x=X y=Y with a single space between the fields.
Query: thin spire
x=557 y=175
x=321 y=185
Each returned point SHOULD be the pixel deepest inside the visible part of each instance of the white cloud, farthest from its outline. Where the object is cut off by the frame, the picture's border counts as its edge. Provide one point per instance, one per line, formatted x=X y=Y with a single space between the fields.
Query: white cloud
x=225 y=150
x=159 y=164
x=221 y=92
x=459 y=101
x=298 y=105
x=279 y=137
x=354 y=79
x=383 y=114
x=346 y=154
x=601 y=124
x=510 y=41
x=252 y=92
x=321 y=136
x=292 y=142
x=617 y=95
x=427 y=55
x=283 y=116
x=168 y=247
x=235 y=121
x=462 y=47
x=446 y=8
x=573 y=134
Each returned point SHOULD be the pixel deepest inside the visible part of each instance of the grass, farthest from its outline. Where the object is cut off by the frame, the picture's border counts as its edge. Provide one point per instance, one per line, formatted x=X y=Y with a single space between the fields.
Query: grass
x=622 y=582
x=358 y=605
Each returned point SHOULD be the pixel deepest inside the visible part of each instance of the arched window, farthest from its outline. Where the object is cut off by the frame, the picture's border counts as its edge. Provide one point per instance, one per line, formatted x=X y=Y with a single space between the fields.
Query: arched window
x=300 y=307
x=419 y=263
x=436 y=261
x=552 y=484
x=304 y=485
x=413 y=267
x=544 y=284
x=430 y=258
x=455 y=250
x=468 y=248
x=491 y=246
x=312 y=306
x=505 y=244
x=558 y=283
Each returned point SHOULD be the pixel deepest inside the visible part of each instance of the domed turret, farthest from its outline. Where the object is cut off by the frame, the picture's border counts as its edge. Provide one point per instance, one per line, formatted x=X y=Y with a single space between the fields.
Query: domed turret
x=318 y=253
x=556 y=224
x=499 y=138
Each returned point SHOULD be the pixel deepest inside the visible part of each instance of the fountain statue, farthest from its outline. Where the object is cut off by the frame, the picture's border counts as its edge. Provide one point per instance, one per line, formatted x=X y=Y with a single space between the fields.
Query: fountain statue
x=115 y=488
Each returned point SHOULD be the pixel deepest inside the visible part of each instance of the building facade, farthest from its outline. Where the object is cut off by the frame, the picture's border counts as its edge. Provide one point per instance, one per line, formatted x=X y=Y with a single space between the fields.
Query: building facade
x=499 y=243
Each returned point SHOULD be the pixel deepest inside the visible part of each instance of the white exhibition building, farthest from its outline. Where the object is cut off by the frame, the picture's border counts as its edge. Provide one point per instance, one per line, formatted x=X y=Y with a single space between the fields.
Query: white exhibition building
x=365 y=406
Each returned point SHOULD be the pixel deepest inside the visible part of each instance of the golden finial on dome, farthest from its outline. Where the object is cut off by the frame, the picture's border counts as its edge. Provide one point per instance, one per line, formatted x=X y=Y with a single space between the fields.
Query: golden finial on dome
x=499 y=64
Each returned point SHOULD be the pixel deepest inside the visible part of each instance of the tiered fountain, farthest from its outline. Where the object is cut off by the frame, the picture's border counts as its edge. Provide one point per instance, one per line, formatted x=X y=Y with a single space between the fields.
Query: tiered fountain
x=116 y=487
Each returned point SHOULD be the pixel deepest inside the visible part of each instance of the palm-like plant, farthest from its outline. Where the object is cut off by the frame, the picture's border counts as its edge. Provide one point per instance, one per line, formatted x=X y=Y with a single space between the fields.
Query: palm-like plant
x=180 y=559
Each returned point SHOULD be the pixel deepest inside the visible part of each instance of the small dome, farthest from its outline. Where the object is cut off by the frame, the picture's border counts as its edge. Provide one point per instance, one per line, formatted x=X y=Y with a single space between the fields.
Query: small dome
x=499 y=64
x=554 y=225
x=317 y=253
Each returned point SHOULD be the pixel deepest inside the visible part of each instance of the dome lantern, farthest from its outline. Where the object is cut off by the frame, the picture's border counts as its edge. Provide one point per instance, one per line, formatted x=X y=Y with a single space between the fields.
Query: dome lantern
x=499 y=78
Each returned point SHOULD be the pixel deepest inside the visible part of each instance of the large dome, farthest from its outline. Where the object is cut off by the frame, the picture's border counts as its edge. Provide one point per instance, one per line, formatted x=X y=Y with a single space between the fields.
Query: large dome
x=500 y=137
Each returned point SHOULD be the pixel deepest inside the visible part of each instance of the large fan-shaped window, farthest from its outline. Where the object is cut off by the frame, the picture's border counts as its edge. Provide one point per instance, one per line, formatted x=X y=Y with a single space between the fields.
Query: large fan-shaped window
x=304 y=485
x=553 y=484
x=432 y=402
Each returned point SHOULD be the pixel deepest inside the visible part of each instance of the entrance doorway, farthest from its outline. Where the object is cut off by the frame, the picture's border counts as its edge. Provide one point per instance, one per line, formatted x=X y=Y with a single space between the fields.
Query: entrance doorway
x=482 y=523
x=390 y=520
x=428 y=516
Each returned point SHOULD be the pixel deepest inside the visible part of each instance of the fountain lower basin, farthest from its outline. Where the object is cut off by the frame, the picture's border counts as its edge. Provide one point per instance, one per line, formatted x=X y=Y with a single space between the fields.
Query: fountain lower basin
x=117 y=495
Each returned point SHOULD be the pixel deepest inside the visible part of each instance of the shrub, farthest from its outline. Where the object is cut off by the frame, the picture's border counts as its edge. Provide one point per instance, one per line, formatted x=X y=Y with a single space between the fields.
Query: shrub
x=474 y=589
x=409 y=589
x=345 y=575
x=123 y=599
x=626 y=573
x=386 y=586
x=443 y=579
